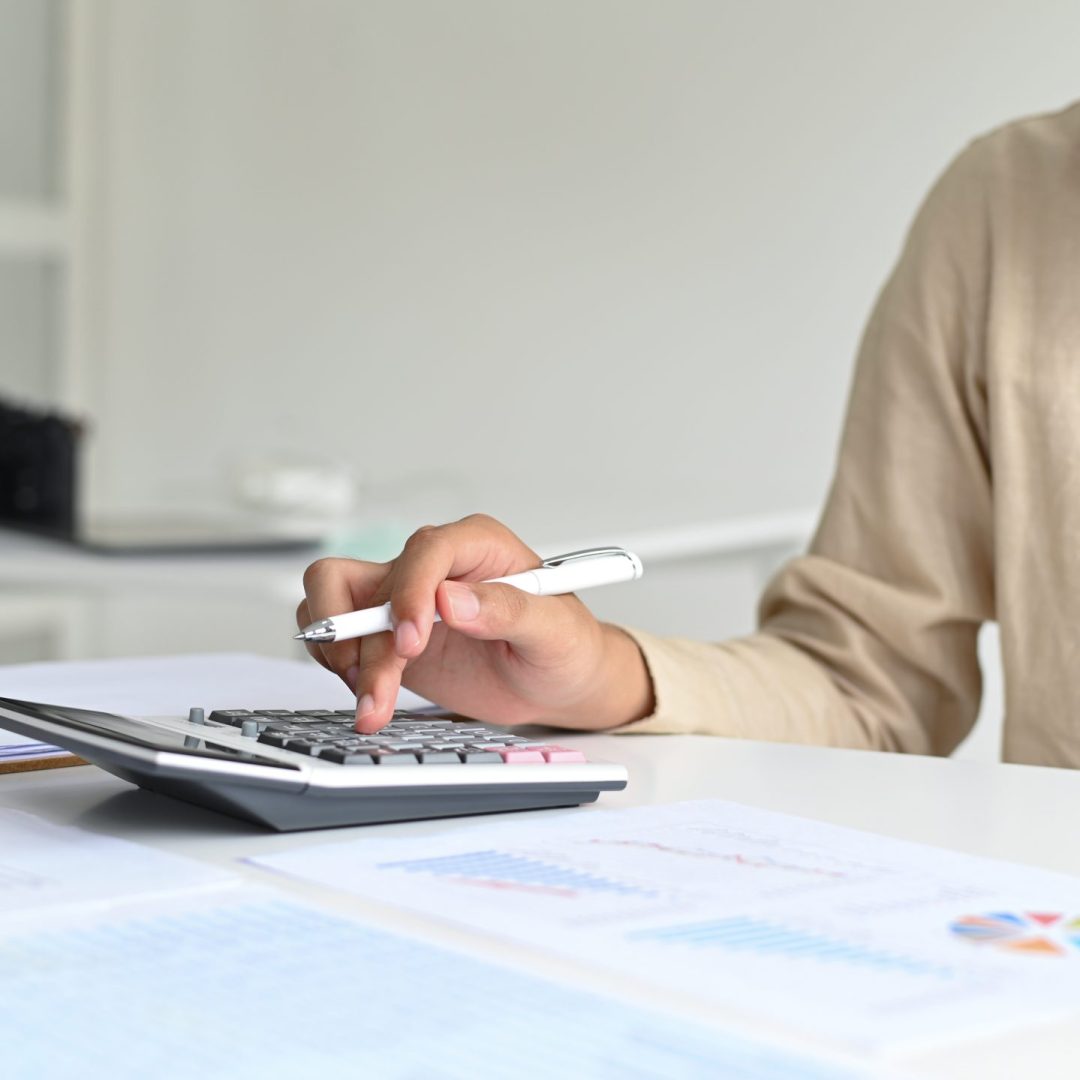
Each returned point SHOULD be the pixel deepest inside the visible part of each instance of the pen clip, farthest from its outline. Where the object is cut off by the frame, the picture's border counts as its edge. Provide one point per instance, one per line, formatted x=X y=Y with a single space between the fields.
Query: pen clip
x=585 y=553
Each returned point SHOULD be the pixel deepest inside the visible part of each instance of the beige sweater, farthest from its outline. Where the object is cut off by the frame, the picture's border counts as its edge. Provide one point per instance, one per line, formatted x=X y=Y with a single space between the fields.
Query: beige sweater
x=956 y=497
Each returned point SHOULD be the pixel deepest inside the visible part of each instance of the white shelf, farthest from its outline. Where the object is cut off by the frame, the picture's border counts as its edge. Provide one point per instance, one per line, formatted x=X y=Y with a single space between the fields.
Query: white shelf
x=27 y=229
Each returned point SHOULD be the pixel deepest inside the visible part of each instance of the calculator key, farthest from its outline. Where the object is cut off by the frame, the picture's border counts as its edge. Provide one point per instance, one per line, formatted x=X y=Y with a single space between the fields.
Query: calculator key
x=513 y=756
x=275 y=738
x=562 y=755
x=275 y=712
x=232 y=717
x=346 y=757
x=438 y=757
x=484 y=746
x=393 y=757
x=302 y=746
x=480 y=757
x=319 y=749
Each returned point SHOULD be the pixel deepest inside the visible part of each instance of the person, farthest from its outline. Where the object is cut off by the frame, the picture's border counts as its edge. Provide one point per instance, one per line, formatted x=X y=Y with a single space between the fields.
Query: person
x=956 y=500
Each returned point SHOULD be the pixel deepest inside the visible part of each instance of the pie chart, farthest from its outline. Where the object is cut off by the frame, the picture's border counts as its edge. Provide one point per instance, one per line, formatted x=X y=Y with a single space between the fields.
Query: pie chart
x=1034 y=932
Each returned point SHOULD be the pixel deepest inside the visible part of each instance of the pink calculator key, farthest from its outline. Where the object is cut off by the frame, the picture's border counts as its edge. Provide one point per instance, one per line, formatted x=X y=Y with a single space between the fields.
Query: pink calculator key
x=520 y=757
x=562 y=755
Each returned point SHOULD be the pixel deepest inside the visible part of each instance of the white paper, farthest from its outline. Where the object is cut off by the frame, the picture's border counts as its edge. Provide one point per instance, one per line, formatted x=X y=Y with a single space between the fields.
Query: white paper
x=256 y=986
x=170 y=685
x=45 y=868
x=815 y=927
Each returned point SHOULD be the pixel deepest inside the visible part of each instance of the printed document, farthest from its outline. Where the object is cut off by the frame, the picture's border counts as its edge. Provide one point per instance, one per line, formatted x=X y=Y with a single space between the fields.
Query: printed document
x=880 y=944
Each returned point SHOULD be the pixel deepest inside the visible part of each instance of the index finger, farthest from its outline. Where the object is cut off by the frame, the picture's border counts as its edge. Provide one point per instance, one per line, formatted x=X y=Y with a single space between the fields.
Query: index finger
x=476 y=548
x=332 y=587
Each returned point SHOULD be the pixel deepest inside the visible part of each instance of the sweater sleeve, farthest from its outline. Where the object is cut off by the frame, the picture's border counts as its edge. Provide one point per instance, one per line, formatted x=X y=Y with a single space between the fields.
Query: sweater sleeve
x=869 y=640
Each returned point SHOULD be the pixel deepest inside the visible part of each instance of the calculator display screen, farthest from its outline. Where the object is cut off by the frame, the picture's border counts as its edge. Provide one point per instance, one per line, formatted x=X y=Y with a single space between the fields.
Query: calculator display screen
x=134 y=731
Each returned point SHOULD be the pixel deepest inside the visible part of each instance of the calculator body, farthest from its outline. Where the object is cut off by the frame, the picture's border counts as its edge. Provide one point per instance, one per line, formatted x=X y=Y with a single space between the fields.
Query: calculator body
x=214 y=765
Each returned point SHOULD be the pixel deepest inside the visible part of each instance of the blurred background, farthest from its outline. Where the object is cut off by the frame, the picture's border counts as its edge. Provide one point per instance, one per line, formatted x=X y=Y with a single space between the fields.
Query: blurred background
x=339 y=268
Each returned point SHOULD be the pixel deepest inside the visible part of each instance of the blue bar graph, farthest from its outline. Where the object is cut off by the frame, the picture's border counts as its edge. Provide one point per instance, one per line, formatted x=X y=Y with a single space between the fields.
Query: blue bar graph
x=274 y=990
x=501 y=867
x=744 y=934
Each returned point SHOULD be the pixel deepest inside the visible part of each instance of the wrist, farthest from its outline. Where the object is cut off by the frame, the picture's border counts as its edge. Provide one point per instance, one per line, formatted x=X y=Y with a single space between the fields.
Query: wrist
x=623 y=690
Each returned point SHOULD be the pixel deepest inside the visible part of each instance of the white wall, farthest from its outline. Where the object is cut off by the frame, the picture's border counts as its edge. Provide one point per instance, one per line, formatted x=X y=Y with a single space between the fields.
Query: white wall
x=29 y=175
x=622 y=249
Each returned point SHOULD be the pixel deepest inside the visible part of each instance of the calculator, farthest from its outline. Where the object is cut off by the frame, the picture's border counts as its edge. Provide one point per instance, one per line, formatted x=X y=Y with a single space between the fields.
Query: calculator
x=302 y=769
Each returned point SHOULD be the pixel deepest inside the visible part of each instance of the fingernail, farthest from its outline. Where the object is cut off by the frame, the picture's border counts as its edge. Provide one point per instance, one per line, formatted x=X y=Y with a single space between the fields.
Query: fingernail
x=351 y=676
x=464 y=603
x=406 y=637
x=365 y=705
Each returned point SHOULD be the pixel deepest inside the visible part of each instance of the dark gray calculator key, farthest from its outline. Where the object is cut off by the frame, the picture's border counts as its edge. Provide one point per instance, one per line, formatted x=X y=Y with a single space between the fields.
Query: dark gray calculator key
x=480 y=757
x=232 y=717
x=398 y=744
x=301 y=743
x=302 y=746
x=275 y=738
x=319 y=749
x=346 y=757
x=274 y=712
x=439 y=757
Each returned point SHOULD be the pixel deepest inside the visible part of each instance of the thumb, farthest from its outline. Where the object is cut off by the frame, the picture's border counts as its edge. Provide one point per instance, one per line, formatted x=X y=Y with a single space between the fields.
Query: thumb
x=536 y=626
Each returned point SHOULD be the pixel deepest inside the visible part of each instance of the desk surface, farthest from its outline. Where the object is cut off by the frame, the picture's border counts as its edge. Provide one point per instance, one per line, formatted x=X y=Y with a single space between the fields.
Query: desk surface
x=1011 y=812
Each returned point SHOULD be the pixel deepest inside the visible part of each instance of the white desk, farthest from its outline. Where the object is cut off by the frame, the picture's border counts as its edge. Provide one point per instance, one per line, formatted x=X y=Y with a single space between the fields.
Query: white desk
x=1007 y=811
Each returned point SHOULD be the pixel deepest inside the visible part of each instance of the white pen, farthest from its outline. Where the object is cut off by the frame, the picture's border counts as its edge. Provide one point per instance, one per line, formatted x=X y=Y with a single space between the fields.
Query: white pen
x=553 y=577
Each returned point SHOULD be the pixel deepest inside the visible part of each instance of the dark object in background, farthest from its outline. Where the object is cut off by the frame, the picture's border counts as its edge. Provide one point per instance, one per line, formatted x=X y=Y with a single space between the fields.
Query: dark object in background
x=39 y=466
x=38 y=470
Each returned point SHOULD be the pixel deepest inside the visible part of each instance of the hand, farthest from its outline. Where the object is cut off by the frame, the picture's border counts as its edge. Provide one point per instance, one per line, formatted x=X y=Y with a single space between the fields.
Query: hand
x=499 y=655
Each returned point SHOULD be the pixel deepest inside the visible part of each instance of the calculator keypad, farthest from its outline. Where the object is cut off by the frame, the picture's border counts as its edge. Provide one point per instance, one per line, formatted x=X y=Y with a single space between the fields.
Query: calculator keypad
x=409 y=739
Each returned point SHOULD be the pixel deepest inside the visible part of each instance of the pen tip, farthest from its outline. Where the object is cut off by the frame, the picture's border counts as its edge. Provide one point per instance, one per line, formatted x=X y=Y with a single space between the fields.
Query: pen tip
x=299 y=637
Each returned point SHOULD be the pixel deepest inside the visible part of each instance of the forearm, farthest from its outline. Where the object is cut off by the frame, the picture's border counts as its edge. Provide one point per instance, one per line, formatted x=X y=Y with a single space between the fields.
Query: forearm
x=757 y=687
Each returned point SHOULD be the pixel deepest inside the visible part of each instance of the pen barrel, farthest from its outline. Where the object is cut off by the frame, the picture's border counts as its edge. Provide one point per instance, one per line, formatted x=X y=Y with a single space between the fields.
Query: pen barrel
x=356 y=624
x=572 y=576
